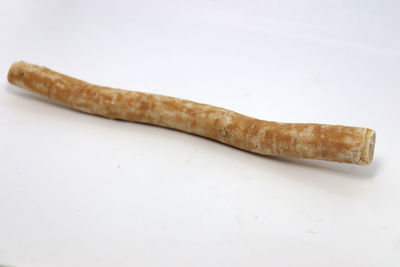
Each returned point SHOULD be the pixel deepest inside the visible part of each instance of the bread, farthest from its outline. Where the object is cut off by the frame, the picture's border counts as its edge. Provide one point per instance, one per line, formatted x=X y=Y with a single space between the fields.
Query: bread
x=301 y=140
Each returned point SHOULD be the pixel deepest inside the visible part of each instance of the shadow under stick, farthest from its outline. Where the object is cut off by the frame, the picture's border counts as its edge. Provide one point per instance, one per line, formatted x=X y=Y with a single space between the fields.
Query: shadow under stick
x=301 y=140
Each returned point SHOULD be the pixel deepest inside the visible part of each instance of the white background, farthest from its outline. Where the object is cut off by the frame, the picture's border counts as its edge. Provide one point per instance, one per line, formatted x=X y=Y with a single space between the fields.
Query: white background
x=80 y=190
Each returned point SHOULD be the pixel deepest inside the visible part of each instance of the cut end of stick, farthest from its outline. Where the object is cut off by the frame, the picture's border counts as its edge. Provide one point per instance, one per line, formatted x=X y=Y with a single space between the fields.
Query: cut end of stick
x=15 y=72
x=367 y=153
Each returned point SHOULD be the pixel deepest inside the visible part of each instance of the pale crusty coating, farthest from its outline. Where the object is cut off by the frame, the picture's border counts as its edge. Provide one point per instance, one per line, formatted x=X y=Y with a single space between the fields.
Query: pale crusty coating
x=301 y=140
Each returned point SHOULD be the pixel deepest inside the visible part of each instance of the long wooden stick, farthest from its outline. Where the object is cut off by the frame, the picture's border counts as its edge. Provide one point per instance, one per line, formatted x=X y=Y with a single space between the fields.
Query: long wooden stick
x=301 y=140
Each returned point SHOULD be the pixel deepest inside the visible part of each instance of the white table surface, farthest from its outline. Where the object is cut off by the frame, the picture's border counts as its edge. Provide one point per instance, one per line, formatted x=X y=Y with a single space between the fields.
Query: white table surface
x=80 y=190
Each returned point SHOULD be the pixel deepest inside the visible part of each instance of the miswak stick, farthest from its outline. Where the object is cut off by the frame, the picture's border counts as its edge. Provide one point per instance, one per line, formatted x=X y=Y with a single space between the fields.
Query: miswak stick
x=300 y=140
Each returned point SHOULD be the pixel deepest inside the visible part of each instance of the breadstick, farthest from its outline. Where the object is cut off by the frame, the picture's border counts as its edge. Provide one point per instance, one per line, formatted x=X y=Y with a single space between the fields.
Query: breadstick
x=301 y=140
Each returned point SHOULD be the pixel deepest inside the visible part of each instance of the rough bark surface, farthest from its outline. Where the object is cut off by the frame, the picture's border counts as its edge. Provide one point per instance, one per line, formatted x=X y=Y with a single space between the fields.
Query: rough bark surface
x=301 y=140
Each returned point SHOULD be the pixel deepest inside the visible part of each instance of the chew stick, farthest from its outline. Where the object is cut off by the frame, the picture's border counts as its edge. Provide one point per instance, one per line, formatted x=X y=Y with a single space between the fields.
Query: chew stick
x=301 y=140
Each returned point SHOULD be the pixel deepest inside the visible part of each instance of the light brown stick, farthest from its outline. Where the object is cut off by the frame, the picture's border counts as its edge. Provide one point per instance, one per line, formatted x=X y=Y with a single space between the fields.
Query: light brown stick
x=301 y=140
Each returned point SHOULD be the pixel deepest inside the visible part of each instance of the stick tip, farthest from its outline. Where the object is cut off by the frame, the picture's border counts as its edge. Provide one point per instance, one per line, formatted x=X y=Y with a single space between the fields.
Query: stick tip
x=367 y=154
x=15 y=71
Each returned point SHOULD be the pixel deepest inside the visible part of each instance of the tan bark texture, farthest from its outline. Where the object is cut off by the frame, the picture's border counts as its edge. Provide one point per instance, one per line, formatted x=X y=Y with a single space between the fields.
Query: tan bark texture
x=301 y=140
